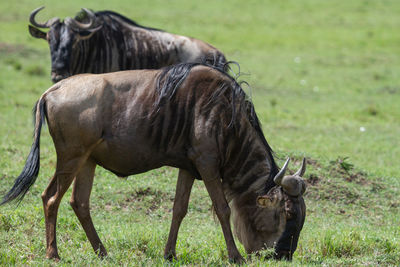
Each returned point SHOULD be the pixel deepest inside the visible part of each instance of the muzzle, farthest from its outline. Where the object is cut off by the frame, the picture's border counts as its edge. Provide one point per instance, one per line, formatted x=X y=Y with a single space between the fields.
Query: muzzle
x=56 y=77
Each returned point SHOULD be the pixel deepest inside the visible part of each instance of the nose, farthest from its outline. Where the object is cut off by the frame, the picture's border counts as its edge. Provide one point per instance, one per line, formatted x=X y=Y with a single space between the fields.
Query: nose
x=56 y=77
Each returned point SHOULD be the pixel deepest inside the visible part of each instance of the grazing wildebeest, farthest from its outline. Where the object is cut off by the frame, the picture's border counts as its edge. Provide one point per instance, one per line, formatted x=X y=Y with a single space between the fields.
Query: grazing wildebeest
x=190 y=116
x=106 y=41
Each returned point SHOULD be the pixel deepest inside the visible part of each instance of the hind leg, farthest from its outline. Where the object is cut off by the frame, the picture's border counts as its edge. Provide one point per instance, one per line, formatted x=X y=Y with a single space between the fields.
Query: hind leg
x=80 y=203
x=62 y=179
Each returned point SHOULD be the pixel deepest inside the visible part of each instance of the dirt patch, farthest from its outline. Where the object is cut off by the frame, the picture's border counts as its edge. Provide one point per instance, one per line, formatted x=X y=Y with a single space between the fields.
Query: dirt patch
x=339 y=182
x=353 y=176
x=312 y=180
x=338 y=168
x=336 y=193
x=350 y=176
x=147 y=198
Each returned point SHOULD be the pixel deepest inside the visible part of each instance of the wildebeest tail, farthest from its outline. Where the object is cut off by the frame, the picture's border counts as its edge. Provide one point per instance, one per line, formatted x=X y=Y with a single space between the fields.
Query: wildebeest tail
x=31 y=169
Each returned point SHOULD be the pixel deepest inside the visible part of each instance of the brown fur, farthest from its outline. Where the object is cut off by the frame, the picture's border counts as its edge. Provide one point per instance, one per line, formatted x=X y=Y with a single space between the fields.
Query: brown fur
x=126 y=123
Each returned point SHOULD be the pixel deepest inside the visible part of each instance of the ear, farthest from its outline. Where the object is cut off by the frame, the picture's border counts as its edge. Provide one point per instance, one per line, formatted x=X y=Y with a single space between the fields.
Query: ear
x=35 y=32
x=86 y=34
x=263 y=201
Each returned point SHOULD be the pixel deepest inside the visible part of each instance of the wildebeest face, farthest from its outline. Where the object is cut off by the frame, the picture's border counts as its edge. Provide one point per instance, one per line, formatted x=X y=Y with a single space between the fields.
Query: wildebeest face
x=62 y=36
x=60 y=39
x=293 y=187
x=277 y=218
x=295 y=212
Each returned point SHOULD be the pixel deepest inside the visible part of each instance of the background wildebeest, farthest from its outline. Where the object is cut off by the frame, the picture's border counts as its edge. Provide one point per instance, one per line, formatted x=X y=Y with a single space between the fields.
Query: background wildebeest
x=190 y=116
x=106 y=41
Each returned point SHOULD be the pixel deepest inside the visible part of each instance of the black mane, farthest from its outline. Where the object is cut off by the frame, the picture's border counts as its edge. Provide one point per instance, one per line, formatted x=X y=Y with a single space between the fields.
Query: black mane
x=172 y=77
x=125 y=19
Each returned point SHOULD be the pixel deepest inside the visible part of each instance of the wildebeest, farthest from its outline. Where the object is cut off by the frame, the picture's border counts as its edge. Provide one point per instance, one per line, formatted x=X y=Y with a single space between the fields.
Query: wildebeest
x=106 y=41
x=189 y=116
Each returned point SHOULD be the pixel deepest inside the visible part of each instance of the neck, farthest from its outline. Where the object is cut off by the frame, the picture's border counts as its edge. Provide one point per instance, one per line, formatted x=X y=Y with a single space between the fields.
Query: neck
x=248 y=167
x=169 y=47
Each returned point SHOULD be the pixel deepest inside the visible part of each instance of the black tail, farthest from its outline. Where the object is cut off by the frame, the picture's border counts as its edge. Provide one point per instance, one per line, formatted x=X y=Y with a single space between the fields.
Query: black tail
x=31 y=169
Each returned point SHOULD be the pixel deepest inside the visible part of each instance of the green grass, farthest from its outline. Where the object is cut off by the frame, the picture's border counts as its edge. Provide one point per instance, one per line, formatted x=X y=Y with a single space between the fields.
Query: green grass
x=320 y=73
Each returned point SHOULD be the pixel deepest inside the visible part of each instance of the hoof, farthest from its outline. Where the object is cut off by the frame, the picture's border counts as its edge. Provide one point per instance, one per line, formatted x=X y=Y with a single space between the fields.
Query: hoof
x=101 y=253
x=237 y=259
x=170 y=256
x=53 y=256
x=283 y=255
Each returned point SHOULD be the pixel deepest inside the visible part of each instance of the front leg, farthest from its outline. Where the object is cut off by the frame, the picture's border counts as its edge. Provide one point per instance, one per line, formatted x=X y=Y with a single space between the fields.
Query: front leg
x=212 y=180
x=182 y=194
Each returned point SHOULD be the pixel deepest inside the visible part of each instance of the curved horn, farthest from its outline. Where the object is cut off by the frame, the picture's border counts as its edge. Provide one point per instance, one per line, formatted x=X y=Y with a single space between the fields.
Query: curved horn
x=302 y=169
x=47 y=24
x=79 y=25
x=281 y=173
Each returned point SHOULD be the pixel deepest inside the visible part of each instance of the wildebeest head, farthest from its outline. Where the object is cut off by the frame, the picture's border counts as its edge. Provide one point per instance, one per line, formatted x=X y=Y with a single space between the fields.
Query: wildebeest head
x=61 y=37
x=278 y=217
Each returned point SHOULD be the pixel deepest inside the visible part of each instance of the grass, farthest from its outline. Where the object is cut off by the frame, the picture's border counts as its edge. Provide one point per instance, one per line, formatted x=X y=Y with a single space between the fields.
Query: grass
x=324 y=80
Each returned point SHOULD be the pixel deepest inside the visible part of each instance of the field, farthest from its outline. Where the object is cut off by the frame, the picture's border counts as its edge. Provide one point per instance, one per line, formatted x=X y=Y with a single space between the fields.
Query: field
x=325 y=82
